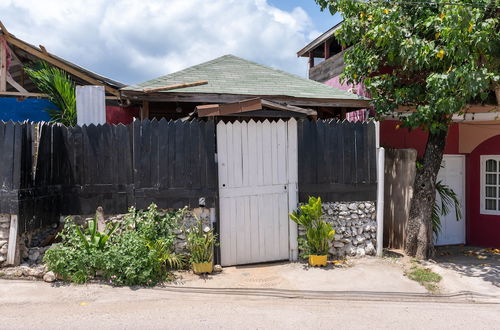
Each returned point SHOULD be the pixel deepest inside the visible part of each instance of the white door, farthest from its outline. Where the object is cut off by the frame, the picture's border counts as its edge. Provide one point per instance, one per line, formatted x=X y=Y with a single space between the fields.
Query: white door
x=257 y=188
x=452 y=174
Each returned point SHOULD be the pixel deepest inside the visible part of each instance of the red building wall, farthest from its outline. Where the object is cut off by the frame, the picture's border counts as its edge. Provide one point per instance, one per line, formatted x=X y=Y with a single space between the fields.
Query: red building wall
x=482 y=230
x=121 y=115
x=402 y=138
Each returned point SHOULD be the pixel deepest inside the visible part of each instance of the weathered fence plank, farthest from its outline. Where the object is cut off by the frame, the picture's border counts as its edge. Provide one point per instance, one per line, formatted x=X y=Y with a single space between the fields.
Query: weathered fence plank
x=174 y=163
x=336 y=160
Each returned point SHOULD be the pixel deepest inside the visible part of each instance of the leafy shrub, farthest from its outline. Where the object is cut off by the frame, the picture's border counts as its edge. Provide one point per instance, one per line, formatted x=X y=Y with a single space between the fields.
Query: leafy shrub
x=153 y=224
x=138 y=251
x=130 y=262
x=70 y=259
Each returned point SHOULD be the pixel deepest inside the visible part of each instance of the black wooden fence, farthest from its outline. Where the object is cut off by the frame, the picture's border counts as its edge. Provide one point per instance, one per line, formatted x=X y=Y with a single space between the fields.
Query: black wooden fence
x=337 y=160
x=174 y=163
x=15 y=164
x=114 y=166
x=171 y=163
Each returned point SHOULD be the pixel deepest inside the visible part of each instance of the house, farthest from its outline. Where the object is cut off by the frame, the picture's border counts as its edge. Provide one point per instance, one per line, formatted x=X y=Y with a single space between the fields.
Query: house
x=20 y=99
x=231 y=80
x=471 y=164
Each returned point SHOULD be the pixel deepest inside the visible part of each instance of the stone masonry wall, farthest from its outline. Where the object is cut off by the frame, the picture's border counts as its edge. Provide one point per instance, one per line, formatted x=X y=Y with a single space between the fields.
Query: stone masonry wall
x=355 y=228
x=4 y=237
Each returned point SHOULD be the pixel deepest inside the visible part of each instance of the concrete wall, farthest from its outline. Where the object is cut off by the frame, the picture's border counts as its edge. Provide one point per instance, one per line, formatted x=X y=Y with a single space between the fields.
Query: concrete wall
x=400 y=173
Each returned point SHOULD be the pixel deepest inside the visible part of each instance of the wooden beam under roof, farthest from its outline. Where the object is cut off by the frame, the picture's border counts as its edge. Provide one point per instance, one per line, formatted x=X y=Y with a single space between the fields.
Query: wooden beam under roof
x=24 y=95
x=3 y=65
x=47 y=57
x=230 y=98
x=14 y=84
x=250 y=106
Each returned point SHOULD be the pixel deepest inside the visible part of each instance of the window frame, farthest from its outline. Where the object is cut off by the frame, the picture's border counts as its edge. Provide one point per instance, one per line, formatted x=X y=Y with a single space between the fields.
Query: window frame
x=482 y=186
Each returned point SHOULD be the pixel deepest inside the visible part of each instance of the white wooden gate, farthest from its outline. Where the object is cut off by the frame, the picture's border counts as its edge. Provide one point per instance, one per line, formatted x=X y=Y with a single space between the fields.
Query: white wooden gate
x=452 y=174
x=257 y=164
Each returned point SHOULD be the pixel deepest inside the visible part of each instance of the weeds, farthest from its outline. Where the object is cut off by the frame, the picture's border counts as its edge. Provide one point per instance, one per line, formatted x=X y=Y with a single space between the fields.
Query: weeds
x=425 y=276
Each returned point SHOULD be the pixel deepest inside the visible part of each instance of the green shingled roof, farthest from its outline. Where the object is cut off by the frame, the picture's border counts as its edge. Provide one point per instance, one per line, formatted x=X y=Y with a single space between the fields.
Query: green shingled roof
x=233 y=75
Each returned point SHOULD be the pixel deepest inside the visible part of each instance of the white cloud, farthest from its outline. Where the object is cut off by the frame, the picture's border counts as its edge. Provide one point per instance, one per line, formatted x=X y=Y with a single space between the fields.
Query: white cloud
x=135 y=40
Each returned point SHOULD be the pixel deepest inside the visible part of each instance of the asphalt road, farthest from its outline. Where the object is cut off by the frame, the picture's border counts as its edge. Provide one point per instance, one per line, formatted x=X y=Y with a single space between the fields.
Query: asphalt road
x=37 y=305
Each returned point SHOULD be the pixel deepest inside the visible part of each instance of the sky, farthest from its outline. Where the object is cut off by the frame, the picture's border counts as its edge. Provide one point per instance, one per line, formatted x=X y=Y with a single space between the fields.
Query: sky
x=136 y=40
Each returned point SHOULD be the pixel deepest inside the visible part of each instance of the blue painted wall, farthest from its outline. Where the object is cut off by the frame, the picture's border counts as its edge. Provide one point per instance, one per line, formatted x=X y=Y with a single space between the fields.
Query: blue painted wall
x=29 y=109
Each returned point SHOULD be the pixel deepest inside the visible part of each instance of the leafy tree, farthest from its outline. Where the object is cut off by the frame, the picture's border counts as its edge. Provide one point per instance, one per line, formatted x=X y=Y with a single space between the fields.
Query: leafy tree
x=60 y=89
x=434 y=56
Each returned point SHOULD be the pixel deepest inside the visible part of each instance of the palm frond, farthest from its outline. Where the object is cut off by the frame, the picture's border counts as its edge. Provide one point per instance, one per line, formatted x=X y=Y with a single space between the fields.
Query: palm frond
x=60 y=89
x=448 y=199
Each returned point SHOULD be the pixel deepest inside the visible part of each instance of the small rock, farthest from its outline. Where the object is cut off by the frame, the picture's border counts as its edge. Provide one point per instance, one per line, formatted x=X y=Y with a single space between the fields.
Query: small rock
x=370 y=249
x=2 y=258
x=4 y=233
x=343 y=207
x=33 y=256
x=337 y=237
x=3 y=249
x=37 y=271
x=353 y=206
x=361 y=206
x=3 y=242
x=338 y=244
x=217 y=268
x=14 y=272
x=360 y=252
x=350 y=250
x=49 y=277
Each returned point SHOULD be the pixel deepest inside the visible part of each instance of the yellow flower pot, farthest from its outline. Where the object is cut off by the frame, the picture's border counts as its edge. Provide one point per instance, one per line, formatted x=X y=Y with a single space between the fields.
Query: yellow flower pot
x=202 y=267
x=317 y=260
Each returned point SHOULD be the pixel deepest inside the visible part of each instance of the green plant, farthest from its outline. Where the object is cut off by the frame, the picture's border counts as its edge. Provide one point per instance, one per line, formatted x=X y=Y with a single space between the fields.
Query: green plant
x=200 y=243
x=71 y=259
x=60 y=89
x=448 y=199
x=162 y=251
x=318 y=237
x=129 y=261
x=154 y=224
x=93 y=239
x=138 y=251
x=318 y=232
x=307 y=214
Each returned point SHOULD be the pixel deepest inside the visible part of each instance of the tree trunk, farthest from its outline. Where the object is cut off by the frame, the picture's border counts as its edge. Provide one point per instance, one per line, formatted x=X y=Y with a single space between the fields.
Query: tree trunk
x=419 y=237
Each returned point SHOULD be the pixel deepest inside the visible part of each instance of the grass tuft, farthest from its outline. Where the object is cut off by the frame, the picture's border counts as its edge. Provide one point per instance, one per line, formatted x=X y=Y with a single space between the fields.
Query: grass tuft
x=425 y=276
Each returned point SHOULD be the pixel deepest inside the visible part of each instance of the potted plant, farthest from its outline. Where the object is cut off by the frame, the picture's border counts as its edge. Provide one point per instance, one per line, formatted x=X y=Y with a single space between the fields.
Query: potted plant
x=200 y=243
x=318 y=231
